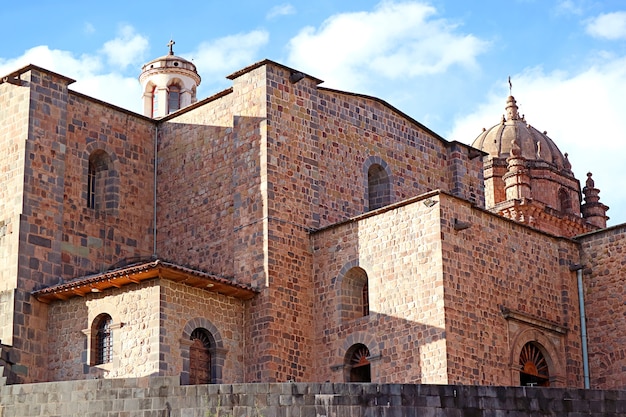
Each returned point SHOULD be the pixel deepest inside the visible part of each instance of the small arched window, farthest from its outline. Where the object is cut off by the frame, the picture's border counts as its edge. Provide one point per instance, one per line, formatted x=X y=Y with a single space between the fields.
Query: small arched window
x=173 y=98
x=378 y=187
x=357 y=364
x=200 y=358
x=534 y=367
x=565 y=202
x=103 y=336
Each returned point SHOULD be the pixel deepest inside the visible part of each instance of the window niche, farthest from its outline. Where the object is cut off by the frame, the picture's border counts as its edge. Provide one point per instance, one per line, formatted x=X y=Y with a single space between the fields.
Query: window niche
x=102 y=342
x=102 y=183
x=355 y=297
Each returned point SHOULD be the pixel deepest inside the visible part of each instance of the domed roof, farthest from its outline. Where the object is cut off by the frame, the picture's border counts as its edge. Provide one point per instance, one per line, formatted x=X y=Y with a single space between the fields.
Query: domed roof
x=535 y=145
x=170 y=63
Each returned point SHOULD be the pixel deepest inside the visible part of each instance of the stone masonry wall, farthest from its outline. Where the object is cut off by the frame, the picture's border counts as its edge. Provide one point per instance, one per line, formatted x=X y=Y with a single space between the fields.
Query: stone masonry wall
x=491 y=266
x=185 y=308
x=14 y=110
x=405 y=328
x=602 y=259
x=149 y=321
x=135 y=314
x=96 y=238
x=164 y=397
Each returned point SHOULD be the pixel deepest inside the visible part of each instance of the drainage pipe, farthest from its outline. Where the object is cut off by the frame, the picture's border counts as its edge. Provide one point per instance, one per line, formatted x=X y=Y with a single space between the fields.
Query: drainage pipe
x=154 y=222
x=583 y=323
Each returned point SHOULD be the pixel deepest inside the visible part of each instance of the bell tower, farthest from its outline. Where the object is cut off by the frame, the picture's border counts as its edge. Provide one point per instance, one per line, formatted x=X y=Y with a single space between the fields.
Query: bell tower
x=169 y=83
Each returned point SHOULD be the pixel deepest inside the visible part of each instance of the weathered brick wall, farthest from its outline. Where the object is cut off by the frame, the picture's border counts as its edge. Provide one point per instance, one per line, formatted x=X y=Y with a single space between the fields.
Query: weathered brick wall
x=405 y=329
x=602 y=258
x=497 y=264
x=164 y=397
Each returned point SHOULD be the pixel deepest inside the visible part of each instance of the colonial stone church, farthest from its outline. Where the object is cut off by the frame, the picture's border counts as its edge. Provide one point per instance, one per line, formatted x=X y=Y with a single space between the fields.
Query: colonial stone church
x=283 y=231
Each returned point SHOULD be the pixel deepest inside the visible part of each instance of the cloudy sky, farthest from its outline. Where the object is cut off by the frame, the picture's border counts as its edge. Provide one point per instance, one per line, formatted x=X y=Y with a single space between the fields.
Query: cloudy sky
x=443 y=62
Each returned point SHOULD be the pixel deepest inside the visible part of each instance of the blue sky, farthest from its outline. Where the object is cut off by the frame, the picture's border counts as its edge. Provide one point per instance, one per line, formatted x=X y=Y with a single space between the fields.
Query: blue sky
x=443 y=62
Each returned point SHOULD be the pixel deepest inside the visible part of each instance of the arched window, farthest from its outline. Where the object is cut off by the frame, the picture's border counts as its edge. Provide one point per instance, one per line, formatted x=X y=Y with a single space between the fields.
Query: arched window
x=103 y=338
x=173 y=98
x=155 y=102
x=565 y=202
x=200 y=363
x=534 y=367
x=357 y=364
x=378 y=187
x=355 y=294
x=102 y=182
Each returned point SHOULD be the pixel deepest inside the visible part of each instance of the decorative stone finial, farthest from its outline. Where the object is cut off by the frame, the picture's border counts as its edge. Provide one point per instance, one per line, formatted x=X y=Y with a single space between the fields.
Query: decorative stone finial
x=566 y=163
x=170 y=44
x=593 y=210
x=511 y=109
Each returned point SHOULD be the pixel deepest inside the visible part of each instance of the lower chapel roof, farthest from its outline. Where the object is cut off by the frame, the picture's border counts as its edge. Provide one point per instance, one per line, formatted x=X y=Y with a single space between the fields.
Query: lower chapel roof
x=143 y=271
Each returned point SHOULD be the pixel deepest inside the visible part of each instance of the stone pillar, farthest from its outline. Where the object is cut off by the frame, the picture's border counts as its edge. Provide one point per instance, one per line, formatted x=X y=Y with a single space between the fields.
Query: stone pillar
x=593 y=210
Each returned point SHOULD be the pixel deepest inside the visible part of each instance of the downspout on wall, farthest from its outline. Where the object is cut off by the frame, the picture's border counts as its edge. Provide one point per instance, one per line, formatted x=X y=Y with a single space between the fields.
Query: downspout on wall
x=154 y=223
x=583 y=322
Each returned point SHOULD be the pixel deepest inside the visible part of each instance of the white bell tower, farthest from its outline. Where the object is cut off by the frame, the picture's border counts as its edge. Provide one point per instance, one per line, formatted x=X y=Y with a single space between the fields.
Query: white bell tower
x=169 y=83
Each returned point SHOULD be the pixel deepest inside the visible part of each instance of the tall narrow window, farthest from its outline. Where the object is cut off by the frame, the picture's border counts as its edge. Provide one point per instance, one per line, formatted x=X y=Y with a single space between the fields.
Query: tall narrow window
x=173 y=100
x=534 y=367
x=104 y=339
x=378 y=187
x=102 y=183
x=200 y=357
x=91 y=185
x=155 y=102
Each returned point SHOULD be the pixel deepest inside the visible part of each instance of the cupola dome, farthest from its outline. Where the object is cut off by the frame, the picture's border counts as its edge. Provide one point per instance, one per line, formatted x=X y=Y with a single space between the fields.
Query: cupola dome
x=169 y=83
x=534 y=145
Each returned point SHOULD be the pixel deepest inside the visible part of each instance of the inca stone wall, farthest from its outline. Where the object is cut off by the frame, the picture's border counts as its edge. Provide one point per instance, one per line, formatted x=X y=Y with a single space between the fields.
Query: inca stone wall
x=463 y=290
x=505 y=285
x=14 y=110
x=603 y=266
x=164 y=397
x=405 y=284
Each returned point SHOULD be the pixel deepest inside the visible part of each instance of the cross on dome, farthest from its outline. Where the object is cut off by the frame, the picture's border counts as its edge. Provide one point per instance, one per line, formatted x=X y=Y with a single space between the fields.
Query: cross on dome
x=170 y=44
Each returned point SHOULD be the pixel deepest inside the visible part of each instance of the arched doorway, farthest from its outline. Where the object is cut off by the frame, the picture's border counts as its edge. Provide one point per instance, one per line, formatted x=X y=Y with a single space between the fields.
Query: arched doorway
x=534 y=367
x=200 y=358
x=358 y=364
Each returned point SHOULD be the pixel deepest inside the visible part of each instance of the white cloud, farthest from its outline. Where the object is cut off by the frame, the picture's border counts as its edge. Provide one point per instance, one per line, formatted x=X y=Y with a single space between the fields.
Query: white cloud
x=62 y=62
x=128 y=48
x=610 y=26
x=395 y=40
x=92 y=77
x=230 y=53
x=280 y=10
x=583 y=114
